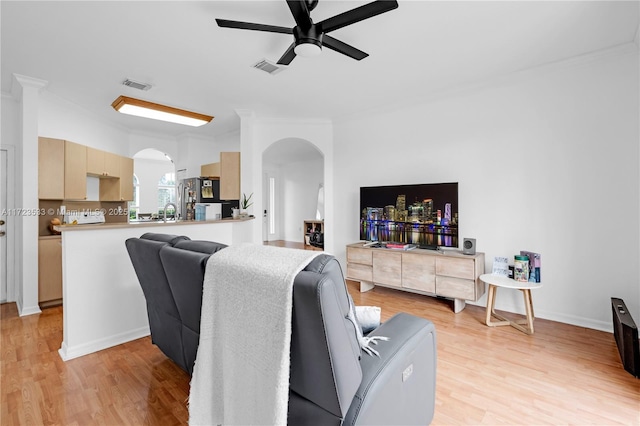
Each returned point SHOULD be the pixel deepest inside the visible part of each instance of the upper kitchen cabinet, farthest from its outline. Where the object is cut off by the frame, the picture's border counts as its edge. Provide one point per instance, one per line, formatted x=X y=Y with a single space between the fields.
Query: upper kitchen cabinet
x=120 y=189
x=75 y=171
x=126 y=179
x=228 y=171
x=229 y=175
x=102 y=164
x=211 y=170
x=50 y=169
x=62 y=170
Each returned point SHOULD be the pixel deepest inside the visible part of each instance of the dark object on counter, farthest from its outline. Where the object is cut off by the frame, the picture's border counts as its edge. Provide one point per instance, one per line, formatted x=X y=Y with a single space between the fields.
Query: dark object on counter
x=331 y=380
x=227 y=206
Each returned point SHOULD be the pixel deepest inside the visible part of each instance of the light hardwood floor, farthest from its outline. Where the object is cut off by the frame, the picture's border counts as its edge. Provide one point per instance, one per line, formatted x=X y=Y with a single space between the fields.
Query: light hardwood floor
x=494 y=376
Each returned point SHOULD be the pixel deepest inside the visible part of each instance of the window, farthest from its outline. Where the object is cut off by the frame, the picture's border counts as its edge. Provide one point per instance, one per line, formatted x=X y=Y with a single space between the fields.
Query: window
x=166 y=191
x=134 y=206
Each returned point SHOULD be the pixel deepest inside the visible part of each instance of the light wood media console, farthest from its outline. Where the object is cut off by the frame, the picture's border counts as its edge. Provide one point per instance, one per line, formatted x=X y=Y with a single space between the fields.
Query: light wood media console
x=448 y=274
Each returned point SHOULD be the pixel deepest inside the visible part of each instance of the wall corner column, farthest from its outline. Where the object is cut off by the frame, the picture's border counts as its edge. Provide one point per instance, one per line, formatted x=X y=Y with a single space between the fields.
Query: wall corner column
x=27 y=91
x=251 y=170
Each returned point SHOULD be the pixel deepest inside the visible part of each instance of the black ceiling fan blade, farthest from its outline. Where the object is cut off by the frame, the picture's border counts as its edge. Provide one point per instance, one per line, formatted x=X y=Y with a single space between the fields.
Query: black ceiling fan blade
x=225 y=23
x=288 y=55
x=358 y=14
x=344 y=48
x=300 y=13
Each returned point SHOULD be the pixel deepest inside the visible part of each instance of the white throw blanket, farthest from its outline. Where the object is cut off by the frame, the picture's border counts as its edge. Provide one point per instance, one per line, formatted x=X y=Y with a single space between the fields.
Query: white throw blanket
x=241 y=373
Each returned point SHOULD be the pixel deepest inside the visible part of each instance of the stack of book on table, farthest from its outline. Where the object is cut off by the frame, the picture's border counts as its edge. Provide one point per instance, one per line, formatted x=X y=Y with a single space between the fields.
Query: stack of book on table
x=400 y=246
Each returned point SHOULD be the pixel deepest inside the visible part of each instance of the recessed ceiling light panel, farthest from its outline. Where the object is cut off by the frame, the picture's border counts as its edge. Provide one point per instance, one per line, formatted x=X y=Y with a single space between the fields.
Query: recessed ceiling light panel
x=148 y=109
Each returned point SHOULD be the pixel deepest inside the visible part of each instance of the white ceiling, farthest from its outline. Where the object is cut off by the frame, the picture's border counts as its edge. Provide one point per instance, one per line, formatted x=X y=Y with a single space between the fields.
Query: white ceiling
x=85 y=49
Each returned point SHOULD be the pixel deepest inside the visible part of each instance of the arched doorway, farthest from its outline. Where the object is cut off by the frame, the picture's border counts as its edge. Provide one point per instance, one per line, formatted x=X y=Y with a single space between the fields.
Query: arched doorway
x=293 y=173
x=154 y=183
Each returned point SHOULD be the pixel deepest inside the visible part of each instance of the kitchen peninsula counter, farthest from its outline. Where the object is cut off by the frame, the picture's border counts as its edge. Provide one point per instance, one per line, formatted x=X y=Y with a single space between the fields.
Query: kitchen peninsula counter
x=103 y=302
x=143 y=224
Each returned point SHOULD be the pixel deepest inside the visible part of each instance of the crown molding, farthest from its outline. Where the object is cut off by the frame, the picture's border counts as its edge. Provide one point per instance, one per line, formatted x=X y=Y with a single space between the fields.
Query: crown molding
x=245 y=113
x=20 y=82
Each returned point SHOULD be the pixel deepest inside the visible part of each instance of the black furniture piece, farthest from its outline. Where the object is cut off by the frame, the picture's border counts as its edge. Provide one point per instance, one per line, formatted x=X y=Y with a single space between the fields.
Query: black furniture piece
x=332 y=381
x=625 y=332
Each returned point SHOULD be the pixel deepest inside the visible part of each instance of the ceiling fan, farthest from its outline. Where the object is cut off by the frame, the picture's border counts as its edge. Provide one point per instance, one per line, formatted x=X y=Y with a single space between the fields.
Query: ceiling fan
x=309 y=37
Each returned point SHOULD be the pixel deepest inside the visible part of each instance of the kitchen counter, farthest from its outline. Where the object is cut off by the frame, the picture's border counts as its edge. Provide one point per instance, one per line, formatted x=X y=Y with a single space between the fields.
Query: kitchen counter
x=142 y=224
x=103 y=302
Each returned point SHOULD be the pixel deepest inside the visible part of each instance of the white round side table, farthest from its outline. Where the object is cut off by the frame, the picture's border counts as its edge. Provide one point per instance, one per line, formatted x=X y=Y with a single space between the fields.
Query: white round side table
x=496 y=281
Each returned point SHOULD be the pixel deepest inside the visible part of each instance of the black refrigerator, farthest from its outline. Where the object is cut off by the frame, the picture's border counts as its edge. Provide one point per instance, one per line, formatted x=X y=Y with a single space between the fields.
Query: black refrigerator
x=202 y=190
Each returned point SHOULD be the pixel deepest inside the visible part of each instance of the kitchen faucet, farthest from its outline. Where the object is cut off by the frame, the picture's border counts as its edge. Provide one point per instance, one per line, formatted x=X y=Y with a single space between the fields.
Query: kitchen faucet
x=175 y=209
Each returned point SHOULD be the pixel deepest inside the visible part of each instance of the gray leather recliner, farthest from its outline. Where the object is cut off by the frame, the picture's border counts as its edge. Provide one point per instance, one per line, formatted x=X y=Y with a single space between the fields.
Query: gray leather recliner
x=170 y=270
x=332 y=381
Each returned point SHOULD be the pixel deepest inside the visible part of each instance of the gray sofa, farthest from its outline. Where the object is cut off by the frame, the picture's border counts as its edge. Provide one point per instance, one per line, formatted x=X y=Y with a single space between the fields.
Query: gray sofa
x=332 y=382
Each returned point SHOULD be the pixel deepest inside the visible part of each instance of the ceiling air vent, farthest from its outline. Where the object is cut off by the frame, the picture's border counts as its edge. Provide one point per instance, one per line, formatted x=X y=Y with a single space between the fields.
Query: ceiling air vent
x=268 y=66
x=136 y=84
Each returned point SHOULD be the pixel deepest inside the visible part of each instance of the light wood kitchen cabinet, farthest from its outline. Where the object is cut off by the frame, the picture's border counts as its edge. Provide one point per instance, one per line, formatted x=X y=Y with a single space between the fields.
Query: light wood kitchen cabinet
x=50 y=169
x=49 y=270
x=63 y=167
x=118 y=189
x=75 y=171
x=126 y=179
x=102 y=164
x=62 y=170
x=229 y=175
x=228 y=171
x=210 y=170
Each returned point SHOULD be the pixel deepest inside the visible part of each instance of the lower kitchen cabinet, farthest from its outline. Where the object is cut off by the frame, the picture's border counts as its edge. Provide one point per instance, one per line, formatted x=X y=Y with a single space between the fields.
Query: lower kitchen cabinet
x=50 y=270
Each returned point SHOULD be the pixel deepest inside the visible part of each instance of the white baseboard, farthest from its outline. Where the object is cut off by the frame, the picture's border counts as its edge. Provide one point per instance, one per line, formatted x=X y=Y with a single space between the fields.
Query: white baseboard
x=29 y=310
x=556 y=316
x=70 y=352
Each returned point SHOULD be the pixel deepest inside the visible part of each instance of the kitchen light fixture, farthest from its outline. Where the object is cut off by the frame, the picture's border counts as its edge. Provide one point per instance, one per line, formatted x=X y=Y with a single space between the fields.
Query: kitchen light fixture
x=147 y=109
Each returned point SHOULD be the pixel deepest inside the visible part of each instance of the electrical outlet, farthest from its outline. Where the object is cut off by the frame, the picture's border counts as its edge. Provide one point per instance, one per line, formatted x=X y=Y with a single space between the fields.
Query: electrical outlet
x=407 y=373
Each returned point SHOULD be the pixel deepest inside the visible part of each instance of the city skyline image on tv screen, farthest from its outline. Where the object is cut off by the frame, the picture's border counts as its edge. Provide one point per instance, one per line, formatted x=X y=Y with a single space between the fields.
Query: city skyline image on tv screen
x=421 y=214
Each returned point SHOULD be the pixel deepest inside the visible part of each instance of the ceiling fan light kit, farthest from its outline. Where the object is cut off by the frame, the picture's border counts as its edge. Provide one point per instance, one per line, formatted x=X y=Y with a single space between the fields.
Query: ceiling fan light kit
x=309 y=37
x=155 y=111
x=307 y=50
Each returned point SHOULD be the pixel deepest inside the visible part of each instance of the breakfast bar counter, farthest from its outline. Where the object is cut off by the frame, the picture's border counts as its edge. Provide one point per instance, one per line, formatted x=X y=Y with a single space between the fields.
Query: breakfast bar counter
x=143 y=224
x=103 y=303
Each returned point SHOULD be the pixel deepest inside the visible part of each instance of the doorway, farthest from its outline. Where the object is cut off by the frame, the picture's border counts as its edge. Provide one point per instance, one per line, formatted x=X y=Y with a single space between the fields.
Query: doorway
x=7 y=240
x=293 y=171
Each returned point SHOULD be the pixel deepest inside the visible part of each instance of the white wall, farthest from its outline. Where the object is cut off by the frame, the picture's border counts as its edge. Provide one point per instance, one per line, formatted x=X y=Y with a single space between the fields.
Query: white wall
x=546 y=161
x=258 y=134
x=194 y=152
x=61 y=119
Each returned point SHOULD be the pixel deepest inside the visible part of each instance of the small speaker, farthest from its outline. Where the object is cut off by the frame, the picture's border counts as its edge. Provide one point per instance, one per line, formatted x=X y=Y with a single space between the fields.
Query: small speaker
x=469 y=246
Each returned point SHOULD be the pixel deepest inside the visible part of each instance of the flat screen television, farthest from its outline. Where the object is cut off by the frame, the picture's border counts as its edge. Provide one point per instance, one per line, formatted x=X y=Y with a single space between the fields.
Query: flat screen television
x=423 y=214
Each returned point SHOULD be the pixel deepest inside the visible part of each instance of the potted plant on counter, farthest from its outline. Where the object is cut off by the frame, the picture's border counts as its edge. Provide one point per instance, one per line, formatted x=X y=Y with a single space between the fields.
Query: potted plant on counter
x=245 y=203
